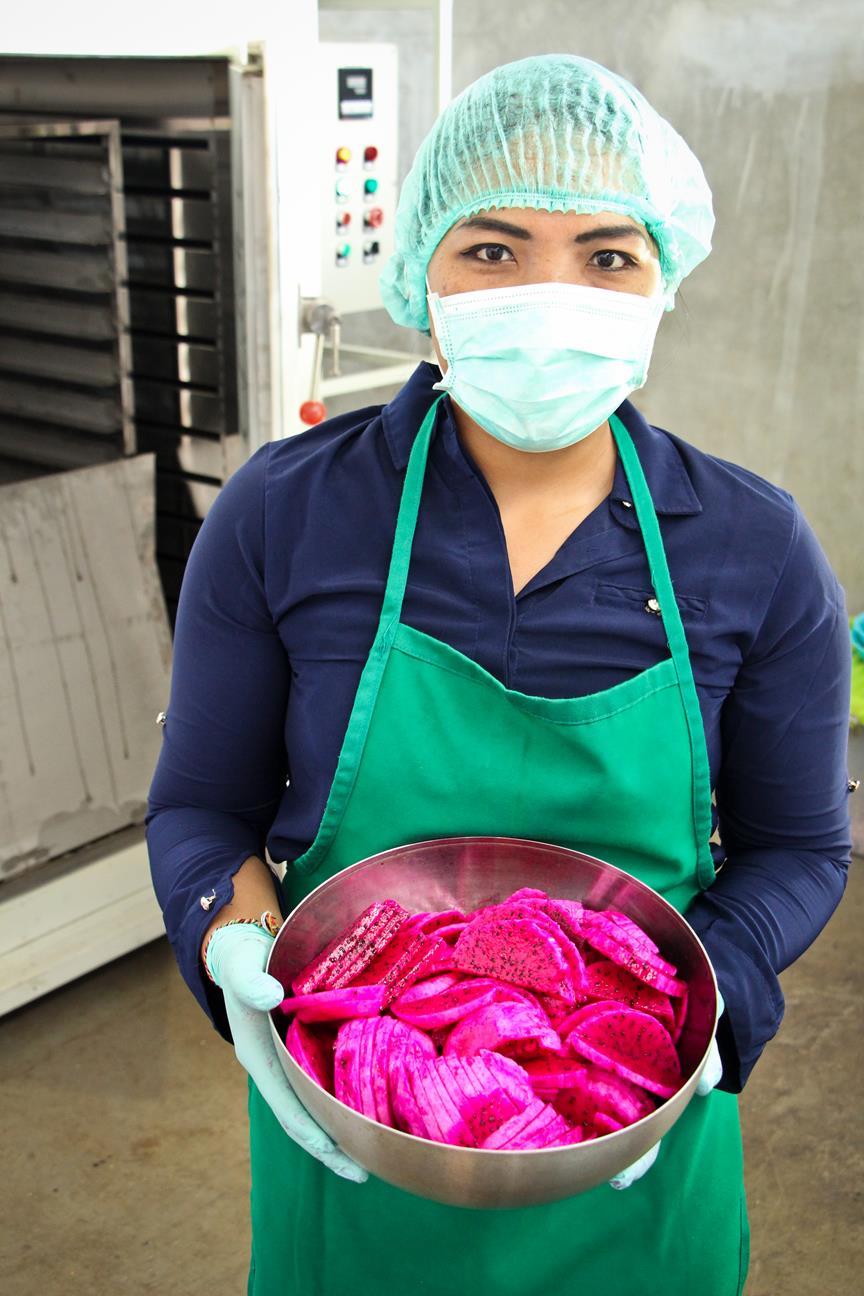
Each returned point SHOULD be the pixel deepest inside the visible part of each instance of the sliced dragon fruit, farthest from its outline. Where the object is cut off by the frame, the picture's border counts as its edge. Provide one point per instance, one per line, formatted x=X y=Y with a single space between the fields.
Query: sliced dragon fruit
x=434 y=922
x=545 y=1130
x=626 y=945
x=353 y=950
x=450 y=932
x=632 y=1044
x=532 y=910
x=605 y=943
x=405 y=958
x=335 y=1005
x=409 y=1050
x=428 y=987
x=528 y=893
x=567 y=914
x=499 y=1025
x=485 y=1105
x=679 y=1007
x=597 y=1090
x=313 y=1051
x=519 y=951
x=606 y=980
x=538 y=1126
x=512 y=1128
x=455 y=1003
x=437 y=1112
x=550 y=1074
x=555 y=1008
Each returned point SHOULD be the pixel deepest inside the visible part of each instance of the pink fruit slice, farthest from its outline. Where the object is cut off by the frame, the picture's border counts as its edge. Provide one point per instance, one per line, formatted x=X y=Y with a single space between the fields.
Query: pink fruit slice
x=606 y=943
x=607 y=980
x=335 y=1005
x=636 y=936
x=519 y=951
x=596 y=1091
x=403 y=960
x=353 y=950
x=512 y=1128
x=679 y=1006
x=533 y=910
x=498 y=1025
x=546 y=1129
x=434 y=922
x=567 y=914
x=407 y=1053
x=361 y=1059
x=538 y=1126
x=428 y=987
x=554 y=1073
x=607 y=928
x=555 y=1008
x=630 y=1043
x=313 y=1051
x=428 y=1109
x=454 y=1003
x=497 y=1089
x=527 y=893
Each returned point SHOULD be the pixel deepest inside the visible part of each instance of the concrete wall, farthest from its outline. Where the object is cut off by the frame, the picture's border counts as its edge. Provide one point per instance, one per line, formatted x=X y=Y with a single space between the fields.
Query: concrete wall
x=762 y=361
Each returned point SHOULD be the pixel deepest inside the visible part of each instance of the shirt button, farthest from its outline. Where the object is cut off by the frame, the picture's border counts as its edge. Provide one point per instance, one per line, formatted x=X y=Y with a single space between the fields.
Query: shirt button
x=626 y=504
x=207 y=902
x=162 y=717
x=652 y=606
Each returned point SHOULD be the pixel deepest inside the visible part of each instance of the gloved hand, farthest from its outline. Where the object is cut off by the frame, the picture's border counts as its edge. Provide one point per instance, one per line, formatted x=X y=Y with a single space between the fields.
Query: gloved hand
x=708 y=1080
x=236 y=956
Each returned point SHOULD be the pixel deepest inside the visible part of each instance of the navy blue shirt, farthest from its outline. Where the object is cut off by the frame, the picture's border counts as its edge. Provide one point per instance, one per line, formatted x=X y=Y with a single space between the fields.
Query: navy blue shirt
x=280 y=603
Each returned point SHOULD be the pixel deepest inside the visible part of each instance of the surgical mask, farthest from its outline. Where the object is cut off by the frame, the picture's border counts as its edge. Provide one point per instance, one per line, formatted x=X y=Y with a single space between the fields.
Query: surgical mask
x=540 y=366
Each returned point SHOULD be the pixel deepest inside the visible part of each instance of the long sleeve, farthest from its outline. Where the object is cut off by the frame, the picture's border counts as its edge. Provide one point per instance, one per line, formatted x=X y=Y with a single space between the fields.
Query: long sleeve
x=223 y=766
x=781 y=799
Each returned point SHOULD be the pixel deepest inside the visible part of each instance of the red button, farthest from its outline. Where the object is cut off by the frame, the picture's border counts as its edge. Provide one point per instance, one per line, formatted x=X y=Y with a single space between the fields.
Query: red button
x=344 y=218
x=312 y=412
x=373 y=218
x=370 y=154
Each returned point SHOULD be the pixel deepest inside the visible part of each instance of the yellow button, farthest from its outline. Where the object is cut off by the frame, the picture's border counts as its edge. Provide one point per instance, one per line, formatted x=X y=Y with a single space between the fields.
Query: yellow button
x=343 y=155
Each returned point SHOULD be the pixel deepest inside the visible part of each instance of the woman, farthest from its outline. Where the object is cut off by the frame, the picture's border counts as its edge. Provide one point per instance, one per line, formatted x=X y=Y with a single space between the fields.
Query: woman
x=454 y=615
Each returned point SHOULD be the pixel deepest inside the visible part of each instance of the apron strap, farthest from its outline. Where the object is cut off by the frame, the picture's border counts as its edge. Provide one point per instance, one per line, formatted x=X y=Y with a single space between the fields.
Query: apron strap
x=406 y=523
x=676 y=638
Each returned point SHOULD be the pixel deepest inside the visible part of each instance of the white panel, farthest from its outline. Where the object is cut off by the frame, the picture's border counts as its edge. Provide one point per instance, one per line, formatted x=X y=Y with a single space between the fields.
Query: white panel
x=368 y=122
x=58 y=928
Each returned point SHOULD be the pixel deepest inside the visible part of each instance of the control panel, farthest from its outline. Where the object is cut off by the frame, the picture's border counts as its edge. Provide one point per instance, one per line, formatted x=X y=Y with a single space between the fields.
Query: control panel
x=358 y=140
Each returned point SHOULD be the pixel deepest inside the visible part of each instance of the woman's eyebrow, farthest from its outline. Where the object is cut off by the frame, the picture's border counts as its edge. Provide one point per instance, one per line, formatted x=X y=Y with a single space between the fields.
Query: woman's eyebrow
x=589 y=236
x=611 y=232
x=502 y=227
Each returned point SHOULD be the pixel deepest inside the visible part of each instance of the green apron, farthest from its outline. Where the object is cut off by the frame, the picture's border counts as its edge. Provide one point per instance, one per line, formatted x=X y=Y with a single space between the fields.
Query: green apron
x=437 y=747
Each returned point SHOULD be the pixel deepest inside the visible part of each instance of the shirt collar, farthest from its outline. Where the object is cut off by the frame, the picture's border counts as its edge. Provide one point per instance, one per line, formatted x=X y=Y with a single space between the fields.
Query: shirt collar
x=668 y=481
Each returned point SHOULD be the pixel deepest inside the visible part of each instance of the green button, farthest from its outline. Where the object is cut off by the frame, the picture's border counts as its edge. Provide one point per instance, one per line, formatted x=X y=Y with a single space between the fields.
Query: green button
x=371 y=186
x=344 y=250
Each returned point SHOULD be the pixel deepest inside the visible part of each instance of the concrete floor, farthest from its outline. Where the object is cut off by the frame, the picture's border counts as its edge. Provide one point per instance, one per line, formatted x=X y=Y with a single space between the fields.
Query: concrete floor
x=123 y=1149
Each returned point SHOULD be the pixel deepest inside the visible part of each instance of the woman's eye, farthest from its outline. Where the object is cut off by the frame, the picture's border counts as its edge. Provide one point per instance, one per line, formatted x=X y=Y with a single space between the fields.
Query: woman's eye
x=495 y=252
x=605 y=260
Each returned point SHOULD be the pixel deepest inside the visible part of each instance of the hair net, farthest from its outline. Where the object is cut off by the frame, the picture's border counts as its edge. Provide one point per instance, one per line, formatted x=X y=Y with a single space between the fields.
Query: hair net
x=556 y=132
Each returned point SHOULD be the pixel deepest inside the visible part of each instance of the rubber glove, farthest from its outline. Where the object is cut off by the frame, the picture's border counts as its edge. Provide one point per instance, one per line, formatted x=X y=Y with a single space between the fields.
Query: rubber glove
x=708 y=1080
x=236 y=957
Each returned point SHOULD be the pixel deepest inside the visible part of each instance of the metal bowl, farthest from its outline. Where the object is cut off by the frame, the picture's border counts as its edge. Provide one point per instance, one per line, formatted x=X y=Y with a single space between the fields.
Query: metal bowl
x=464 y=873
